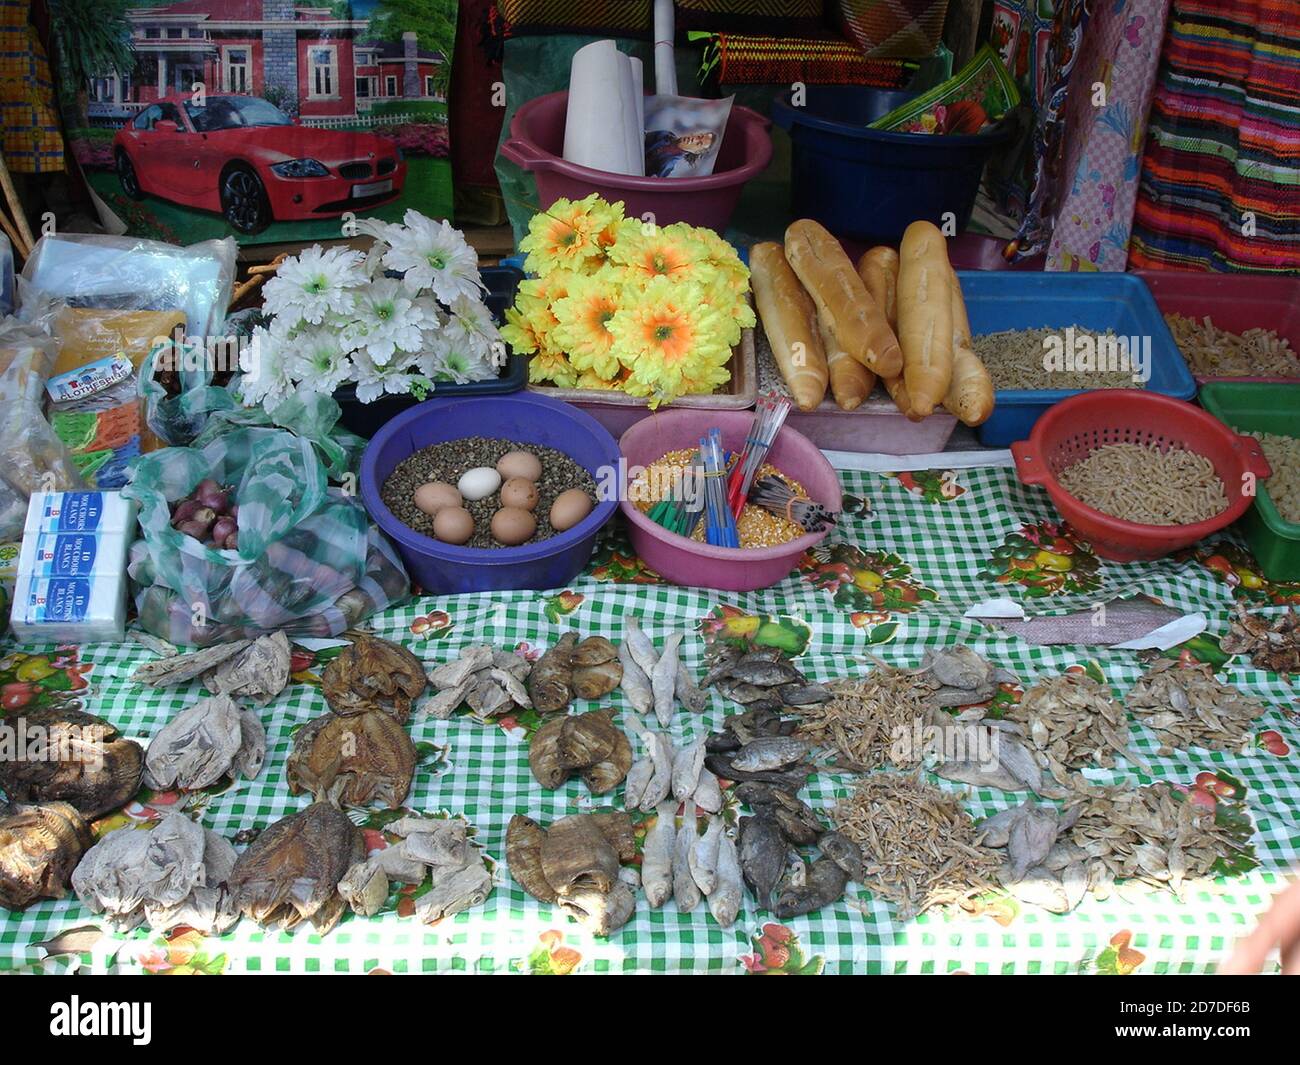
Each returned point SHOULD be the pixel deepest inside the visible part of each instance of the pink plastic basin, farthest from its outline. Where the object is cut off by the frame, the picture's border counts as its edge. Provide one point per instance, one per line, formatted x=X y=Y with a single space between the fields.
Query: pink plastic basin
x=682 y=560
x=537 y=144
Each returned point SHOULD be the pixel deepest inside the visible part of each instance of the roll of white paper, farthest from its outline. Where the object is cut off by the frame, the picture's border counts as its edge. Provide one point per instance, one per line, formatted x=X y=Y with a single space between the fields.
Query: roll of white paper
x=665 y=64
x=602 y=128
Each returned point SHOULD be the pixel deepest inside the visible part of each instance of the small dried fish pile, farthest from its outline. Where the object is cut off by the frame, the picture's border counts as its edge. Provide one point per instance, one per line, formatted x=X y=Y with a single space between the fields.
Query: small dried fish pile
x=760 y=680
x=961 y=677
x=588 y=744
x=356 y=761
x=863 y=720
x=572 y=670
x=210 y=741
x=1188 y=706
x=428 y=848
x=373 y=674
x=1274 y=646
x=667 y=770
x=257 y=670
x=1153 y=834
x=488 y=681
x=291 y=871
x=1072 y=721
x=40 y=846
x=65 y=755
x=918 y=843
x=657 y=680
x=759 y=745
x=175 y=872
x=575 y=864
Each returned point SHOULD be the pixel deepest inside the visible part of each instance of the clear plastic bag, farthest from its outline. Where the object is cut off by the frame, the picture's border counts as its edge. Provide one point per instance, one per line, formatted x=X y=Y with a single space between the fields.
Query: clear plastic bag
x=308 y=560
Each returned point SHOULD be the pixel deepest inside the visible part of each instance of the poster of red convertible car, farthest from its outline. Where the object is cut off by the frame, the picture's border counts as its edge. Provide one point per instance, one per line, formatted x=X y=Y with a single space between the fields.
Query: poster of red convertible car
x=269 y=120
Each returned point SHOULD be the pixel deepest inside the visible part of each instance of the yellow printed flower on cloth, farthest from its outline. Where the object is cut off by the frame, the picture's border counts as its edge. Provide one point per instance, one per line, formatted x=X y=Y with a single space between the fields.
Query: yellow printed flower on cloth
x=668 y=334
x=567 y=235
x=582 y=327
x=648 y=252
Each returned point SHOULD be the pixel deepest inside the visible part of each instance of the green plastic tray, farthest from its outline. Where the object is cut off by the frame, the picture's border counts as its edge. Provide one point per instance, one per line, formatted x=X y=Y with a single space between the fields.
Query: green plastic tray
x=1262 y=408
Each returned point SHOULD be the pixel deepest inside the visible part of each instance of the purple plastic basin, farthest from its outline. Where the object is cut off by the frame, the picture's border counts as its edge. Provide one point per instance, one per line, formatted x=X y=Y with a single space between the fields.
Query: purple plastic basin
x=537 y=144
x=445 y=569
x=682 y=560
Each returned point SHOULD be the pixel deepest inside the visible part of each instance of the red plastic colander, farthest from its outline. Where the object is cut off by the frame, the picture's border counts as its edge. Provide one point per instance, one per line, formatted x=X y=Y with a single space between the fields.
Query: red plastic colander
x=1071 y=430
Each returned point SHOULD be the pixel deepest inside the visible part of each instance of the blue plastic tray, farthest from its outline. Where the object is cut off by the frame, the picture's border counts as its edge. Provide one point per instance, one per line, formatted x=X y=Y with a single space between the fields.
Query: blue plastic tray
x=1000 y=300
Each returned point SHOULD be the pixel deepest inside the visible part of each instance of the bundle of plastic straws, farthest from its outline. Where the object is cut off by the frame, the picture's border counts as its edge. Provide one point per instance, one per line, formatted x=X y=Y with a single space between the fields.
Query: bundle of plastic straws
x=769 y=416
x=775 y=495
x=679 y=512
x=720 y=530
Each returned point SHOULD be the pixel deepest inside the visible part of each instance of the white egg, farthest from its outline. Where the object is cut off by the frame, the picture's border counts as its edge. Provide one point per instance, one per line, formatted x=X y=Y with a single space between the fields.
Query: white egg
x=479 y=483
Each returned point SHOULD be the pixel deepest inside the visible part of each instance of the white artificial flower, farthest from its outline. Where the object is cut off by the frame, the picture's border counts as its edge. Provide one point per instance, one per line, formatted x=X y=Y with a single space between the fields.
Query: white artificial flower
x=432 y=255
x=265 y=370
x=464 y=361
x=374 y=381
x=314 y=284
x=319 y=359
x=386 y=320
x=470 y=317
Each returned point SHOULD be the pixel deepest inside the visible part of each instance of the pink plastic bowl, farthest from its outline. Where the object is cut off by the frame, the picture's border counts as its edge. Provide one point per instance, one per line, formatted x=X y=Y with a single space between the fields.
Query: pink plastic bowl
x=682 y=560
x=537 y=144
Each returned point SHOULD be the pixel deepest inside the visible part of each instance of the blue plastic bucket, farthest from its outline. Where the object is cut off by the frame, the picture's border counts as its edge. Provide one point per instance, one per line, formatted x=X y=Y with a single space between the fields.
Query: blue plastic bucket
x=445 y=569
x=867 y=185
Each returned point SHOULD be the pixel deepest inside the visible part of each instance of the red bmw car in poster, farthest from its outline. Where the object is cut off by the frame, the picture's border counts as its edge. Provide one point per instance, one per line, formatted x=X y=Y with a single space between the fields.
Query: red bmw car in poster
x=243 y=157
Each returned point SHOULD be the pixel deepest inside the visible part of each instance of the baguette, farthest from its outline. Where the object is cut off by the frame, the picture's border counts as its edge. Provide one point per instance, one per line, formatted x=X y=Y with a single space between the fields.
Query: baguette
x=851 y=382
x=925 y=315
x=970 y=392
x=858 y=322
x=897 y=390
x=790 y=322
x=878 y=269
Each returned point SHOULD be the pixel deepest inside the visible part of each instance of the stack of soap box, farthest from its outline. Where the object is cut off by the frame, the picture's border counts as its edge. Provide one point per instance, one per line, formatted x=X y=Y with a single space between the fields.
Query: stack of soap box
x=71 y=585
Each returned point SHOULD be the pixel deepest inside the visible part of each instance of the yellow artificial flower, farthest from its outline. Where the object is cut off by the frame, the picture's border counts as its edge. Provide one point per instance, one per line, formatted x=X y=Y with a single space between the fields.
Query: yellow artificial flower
x=735 y=312
x=721 y=254
x=552 y=367
x=710 y=378
x=591 y=379
x=649 y=252
x=667 y=334
x=566 y=235
x=582 y=328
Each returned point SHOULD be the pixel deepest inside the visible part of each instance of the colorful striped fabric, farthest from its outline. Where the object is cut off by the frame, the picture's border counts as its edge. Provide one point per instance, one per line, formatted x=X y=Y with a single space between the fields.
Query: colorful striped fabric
x=1220 y=186
x=745 y=59
x=31 y=139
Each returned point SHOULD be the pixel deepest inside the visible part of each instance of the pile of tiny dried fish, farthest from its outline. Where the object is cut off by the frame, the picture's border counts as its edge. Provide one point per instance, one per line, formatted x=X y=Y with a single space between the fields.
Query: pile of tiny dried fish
x=760 y=680
x=169 y=874
x=576 y=864
x=256 y=670
x=1072 y=721
x=210 y=741
x=1188 y=706
x=657 y=680
x=569 y=670
x=918 y=843
x=1274 y=646
x=488 y=681
x=40 y=846
x=864 y=718
x=437 y=849
x=589 y=744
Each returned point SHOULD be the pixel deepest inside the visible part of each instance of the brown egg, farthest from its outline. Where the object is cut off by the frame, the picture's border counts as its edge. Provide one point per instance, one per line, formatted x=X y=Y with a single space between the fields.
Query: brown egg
x=512 y=526
x=519 y=492
x=453 y=525
x=520 y=464
x=569 y=508
x=435 y=495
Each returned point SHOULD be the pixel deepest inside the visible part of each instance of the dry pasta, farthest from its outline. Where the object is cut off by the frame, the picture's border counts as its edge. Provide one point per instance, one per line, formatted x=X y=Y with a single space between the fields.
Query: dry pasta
x=1141 y=483
x=1283 y=454
x=1214 y=352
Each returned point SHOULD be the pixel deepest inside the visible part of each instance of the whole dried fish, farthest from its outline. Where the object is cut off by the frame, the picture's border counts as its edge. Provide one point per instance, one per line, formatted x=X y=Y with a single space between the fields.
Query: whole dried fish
x=1187 y=706
x=606 y=775
x=589 y=744
x=353 y=761
x=694 y=698
x=40 y=846
x=595 y=682
x=708 y=792
x=824 y=885
x=790 y=780
x=687 y=764
x=769 y=753
x=845 y=853
x=661 y=780
x=594 y=651
x=1273 y=645
x=725 y=898
x=686 y=892
x=638 y=778
x=762 y=855
x=258 y=673
x=178 y=669
x=639 y=644
x=663 y=681
x=635 y=683
x=207 y=742
x=575 y=853
x=524 y=839
x=657 y=856
x=704 y=856
x=550 y=682
x=208 y=907
x=373 y=674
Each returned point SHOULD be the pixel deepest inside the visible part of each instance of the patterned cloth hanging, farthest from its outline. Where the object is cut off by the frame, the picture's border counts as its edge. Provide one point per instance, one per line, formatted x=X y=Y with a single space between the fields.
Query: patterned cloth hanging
x=1220 y=186
x=32 y=141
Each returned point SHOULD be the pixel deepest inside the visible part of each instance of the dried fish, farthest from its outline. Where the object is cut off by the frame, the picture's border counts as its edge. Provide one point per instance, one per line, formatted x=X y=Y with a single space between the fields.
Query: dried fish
x=178 y=669
x=601 y=912
x=726 y=896
x=824 y=885
x=550 y=682
x=66 y=755
x=663 y=681
x=1273 y=645
x=208 y=907
x=708 y=792
x=576 y=853
x=1187 y=706
x=488 y=681
x=769 y=753
x=373 y=674
x=918 y=843
x=790 y=780
x=639 y=644
x=586 y=739
x=703 y=858
x=524 y=839
x=356 y=761
x=661 y=780
x=473 y=659
x=657 y=856
x=687 y=764
x=1072 y=721
x=460 y=890
x=595 y=682
x=258 y=673
x=40 y=846
x=594 y=651
x=364 y=888
x=207 y=742
x=845 y=853
x=762 y=855
x=686 y=892
x=690 y=695
x=635 y=683
x=638 y=778
x=605 y=776
x=589 y=744
x=865 y=715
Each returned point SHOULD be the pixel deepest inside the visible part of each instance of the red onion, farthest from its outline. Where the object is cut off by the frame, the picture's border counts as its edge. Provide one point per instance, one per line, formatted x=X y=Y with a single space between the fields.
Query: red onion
x=214 y=498
x=232 y=542
x=222 y=528
x=196 y=529
x=185 y=510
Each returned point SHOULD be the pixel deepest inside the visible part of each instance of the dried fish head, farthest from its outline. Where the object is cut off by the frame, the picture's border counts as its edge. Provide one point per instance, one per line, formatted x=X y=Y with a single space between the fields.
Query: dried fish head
x=40 y=846
x=70 y=756
x=374 y=674
x=358 y=760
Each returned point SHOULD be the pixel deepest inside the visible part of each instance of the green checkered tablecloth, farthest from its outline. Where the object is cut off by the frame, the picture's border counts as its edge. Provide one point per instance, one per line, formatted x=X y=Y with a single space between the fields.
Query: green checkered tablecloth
x=889 y=584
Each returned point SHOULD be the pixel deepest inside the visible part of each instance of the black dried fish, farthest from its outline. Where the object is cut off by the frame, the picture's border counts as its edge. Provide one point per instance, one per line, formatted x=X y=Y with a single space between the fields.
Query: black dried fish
x=762 y=855
x=824 y=885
